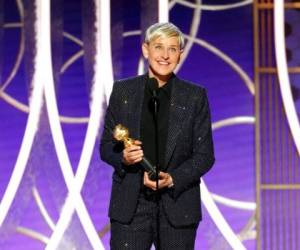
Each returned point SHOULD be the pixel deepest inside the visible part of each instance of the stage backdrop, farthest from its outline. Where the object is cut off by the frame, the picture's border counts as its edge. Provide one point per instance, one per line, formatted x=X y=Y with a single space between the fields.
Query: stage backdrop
x=58 y=62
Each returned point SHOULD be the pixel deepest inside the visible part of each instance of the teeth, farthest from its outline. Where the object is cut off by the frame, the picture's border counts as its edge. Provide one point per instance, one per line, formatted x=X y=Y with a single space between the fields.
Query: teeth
x=164 y=63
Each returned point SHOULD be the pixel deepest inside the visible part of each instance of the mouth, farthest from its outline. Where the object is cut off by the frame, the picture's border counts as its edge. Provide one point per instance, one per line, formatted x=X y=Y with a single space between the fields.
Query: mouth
x=162 y=63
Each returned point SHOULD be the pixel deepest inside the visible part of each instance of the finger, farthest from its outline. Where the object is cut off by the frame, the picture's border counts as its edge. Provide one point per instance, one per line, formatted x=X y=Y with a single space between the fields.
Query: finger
x=163 y=175
x=150 y=186
x=135 y=157
x=153 y=184
x=153 y=187
x=146 y=177
x=133 y=161
x=163 y=179
x=133 y=148
x=135 y=153
x=162 y=185
x=137 y=142
x=162 y=182
x=137 y=160
x=132 y=157
x=148 y=183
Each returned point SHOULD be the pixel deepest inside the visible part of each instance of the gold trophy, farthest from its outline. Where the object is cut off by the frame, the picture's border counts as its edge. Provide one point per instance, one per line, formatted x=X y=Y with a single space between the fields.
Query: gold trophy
x=121 y=133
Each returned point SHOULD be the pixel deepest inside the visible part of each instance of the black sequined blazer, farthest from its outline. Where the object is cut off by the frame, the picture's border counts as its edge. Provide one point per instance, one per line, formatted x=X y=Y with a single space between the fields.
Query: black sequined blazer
x=189 y=149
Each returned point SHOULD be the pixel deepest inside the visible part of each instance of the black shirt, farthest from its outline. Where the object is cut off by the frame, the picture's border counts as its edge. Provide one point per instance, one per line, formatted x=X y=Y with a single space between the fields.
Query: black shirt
x=147 y=129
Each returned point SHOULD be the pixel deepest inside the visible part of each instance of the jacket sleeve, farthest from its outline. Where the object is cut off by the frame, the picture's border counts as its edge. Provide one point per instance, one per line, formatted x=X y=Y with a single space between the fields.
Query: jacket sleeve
x=202 y=158
x=111 y=151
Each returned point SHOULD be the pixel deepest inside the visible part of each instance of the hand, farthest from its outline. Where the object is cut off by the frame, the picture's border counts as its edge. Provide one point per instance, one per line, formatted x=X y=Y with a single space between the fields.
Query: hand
x=165 y=180
x=133 y=154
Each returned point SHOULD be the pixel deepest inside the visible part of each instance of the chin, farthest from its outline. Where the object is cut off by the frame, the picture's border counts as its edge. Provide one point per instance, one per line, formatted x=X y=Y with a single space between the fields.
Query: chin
x=161 y=73
x=164 y=72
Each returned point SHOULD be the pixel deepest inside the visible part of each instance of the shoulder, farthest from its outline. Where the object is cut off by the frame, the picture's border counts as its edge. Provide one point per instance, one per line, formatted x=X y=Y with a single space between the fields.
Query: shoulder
x=191 y=87
x=128 y=83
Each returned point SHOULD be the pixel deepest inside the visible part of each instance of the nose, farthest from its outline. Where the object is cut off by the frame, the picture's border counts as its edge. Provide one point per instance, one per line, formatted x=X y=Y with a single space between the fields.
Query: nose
x=165 y=53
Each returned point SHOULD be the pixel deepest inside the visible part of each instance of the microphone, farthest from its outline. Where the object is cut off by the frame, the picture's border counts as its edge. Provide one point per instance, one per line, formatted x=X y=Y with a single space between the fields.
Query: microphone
x=153 y=84
x=121 y=134
x=154 y=102
x=153 y=106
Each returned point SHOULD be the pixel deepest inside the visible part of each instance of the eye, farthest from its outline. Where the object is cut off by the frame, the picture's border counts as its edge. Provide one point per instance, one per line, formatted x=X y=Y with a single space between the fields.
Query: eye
x=158 y=47
x=173 y=50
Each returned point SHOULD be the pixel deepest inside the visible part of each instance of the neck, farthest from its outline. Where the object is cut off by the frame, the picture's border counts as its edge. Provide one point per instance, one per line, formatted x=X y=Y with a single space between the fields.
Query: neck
x=162 y=80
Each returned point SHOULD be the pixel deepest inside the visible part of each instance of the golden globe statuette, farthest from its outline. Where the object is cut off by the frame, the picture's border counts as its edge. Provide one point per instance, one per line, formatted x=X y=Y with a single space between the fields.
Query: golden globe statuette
x=121 y=133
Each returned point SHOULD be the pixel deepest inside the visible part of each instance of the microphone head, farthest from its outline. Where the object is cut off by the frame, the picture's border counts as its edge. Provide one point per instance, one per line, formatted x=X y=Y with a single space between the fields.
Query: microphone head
x=154 y=101
x=153 y=84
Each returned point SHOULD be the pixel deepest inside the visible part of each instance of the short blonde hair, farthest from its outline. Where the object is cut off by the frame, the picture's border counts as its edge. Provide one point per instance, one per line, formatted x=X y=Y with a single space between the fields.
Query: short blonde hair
x=164 y=30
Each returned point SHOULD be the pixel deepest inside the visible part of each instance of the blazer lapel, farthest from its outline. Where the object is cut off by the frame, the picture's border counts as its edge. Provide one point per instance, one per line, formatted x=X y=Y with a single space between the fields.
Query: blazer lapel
x=135 y=107
x=178 y=109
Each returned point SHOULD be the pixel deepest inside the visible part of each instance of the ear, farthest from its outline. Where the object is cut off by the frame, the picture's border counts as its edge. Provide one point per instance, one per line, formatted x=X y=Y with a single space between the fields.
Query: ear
x=180 y=55
x=145 y=50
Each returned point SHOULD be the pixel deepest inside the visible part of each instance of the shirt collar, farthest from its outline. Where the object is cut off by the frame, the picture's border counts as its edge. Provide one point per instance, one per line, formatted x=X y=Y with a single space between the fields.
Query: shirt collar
x=166 y=88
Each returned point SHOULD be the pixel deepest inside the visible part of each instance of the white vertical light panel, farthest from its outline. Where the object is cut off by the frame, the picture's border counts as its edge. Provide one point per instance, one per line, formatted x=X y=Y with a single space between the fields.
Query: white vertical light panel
x=103 y=67
x=282 y=69
x=74 y=200
x=101 y=86
x=219 y=219
x=163 y=11
x=35 y=104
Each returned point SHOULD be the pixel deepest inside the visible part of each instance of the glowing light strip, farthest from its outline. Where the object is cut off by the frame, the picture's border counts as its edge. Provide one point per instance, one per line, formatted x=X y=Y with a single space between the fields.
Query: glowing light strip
x=248 y=232
x=103 y=65
x=249 y=83
x=233 y=203
x=102 y=68
x=12 y=25
x=20 y=8
x=31 y=128
x=132 y=33
x=24 y=108
x=219 y=220
x=163 y=11
x=19 y=105
x=233 y=121
x=13 y=102
x=32 y=234
x=44 y=20
x=141 y=66
x=71 y=60
x=73 y=38
x=73 y=120
x=250 y=235
x=214 y=7
x=42 y=208
x=44 y=17
x=193 y=33
x=20 y=52
x=172 y=4
x=215 y=213
x=282 y=67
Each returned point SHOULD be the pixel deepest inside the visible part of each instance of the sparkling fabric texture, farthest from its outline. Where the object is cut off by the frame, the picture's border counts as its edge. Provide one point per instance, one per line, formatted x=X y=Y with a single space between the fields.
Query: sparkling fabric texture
x=189 y=152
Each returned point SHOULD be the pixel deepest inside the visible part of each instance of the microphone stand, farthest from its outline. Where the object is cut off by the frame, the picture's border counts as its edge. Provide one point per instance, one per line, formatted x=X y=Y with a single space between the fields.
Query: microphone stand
x=157 y=192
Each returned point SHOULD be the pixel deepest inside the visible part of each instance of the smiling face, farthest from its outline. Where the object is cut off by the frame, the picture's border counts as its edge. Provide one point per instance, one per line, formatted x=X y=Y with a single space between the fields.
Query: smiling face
x=163 y=55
